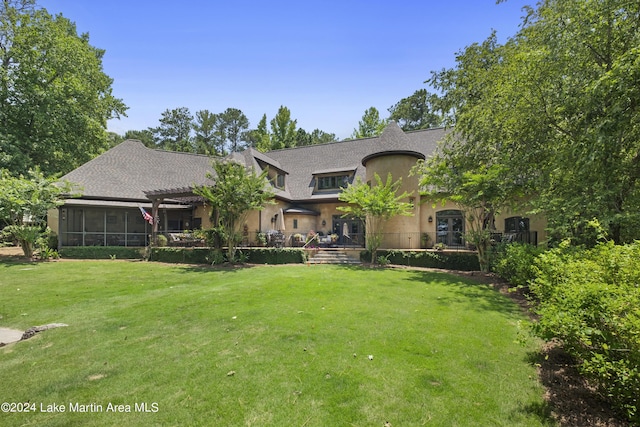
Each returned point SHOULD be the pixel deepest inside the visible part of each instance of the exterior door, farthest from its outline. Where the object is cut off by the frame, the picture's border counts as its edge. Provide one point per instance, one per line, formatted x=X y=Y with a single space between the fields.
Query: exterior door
x=349 y=231
x=450 y=227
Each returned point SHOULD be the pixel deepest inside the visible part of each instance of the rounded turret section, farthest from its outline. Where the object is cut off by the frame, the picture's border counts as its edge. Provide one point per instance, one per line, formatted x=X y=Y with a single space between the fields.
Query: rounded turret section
x=394 y=156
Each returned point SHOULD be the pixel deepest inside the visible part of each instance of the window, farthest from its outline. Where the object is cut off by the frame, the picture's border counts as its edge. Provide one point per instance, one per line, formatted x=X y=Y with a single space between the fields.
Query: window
x=277 y=180
x=332 y=182
x=295 y=224
x=516 y=224
x=450 y=227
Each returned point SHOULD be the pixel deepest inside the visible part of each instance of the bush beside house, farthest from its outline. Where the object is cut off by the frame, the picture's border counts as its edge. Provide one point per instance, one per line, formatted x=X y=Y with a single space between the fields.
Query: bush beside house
x=589 y=300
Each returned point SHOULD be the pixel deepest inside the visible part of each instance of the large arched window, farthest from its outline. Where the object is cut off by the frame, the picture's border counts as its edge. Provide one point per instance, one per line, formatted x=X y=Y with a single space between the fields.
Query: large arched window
x=450 y=227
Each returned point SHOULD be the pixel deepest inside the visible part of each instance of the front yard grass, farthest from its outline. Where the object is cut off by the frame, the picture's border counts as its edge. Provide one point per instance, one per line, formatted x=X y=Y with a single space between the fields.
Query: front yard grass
x=263 y=346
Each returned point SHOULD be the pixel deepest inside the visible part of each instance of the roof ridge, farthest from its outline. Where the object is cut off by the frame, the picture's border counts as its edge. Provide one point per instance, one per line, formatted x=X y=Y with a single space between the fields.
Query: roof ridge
x=347 y=140
x=426 y=129
x=160 y=150
x=321 y=144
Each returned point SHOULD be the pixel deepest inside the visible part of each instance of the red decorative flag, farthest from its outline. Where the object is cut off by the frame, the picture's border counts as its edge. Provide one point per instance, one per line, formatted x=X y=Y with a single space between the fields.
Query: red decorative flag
x=147 y=216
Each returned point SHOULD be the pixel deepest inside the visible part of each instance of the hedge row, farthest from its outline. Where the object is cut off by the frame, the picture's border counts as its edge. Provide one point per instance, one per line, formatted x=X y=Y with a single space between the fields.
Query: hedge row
x=208 y=256
x=464 y=261
x=277 y=256
x=101 y=252
x=186 y=255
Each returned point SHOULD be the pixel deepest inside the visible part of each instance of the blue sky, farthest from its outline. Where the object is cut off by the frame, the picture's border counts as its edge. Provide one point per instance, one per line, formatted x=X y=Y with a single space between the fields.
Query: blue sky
x=327 y=61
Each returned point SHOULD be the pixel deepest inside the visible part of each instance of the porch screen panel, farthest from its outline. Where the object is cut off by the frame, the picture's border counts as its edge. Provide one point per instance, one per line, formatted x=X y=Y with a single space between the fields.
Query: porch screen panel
x=116 y=221
x=136 y=228
x=71 y=226
x=94 y=227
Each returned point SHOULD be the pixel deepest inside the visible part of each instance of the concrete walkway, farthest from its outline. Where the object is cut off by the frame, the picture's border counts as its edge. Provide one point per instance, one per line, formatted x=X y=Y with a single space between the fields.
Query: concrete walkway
x=7 y=336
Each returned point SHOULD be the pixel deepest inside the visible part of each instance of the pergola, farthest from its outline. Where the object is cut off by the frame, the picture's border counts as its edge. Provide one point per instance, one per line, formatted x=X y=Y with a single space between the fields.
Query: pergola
x=183 y=195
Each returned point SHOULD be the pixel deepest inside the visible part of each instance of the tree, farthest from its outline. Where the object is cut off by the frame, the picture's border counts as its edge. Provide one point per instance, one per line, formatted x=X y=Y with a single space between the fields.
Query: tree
x=556 y=107
x=480 y=191
x=208 y=139
x=303 y=138
x=259 y=138
x=321 y=137
x=24 y=202
x=316 y=137
x=370 y=125
x=418 y=111
x=283 y=129
x=234 y=124
x=145 y=136
x=114 y=139
x=55 y=99
x=472 y=168
x=374 y=205
x=174 y=132
x=235 y=192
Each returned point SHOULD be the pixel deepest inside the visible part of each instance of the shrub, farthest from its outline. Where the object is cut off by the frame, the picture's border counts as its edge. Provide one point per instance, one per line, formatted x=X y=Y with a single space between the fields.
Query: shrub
x=213 y=237
x=161 y=240
x=464 y=261
x=383 y=259
x=514 y=262
x=589 y=299
x=52 y=241
x=181 y=255
x=276 y=256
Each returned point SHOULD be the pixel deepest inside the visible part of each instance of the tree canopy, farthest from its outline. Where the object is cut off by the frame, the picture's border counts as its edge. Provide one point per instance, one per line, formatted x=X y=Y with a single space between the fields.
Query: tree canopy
x=283 y=129
x=24 y=202
x=236 y=191
x=208 y=138
x=219 y=134
x=174 y=131
x=55 y=99
x=370 y=125
x=555 y=107
x=418 y=111
x=374 y=204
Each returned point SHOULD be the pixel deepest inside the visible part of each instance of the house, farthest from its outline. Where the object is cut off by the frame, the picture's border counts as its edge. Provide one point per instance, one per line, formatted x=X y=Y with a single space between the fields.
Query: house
x=306 y=180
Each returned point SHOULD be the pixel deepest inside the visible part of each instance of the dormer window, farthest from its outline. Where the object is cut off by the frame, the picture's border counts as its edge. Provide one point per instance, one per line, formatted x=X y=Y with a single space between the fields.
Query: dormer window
x=333 y=182
x=277 y=180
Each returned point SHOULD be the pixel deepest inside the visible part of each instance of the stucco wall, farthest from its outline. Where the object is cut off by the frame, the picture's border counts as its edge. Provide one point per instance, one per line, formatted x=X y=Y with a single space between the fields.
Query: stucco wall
x=401 y=232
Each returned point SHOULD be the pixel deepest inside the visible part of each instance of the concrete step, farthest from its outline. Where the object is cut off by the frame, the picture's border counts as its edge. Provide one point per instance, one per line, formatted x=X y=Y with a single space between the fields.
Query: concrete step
x=331 y=257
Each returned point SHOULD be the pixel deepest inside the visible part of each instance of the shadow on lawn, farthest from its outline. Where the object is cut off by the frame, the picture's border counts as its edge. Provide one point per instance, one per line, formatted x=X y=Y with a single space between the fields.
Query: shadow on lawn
x=479 y=296
x=11 y=260
x=207 y=268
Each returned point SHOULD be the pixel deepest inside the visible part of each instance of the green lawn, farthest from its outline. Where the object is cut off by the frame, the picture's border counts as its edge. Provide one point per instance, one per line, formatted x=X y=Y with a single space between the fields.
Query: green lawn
x=262 y=346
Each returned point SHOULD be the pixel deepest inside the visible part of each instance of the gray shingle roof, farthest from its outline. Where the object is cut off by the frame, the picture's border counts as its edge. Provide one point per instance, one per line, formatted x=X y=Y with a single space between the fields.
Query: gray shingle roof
x=302 y=162
x=128 y=170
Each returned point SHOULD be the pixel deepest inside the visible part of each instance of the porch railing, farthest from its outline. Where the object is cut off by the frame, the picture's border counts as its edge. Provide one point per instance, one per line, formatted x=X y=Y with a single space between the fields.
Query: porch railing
x=449 y=240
